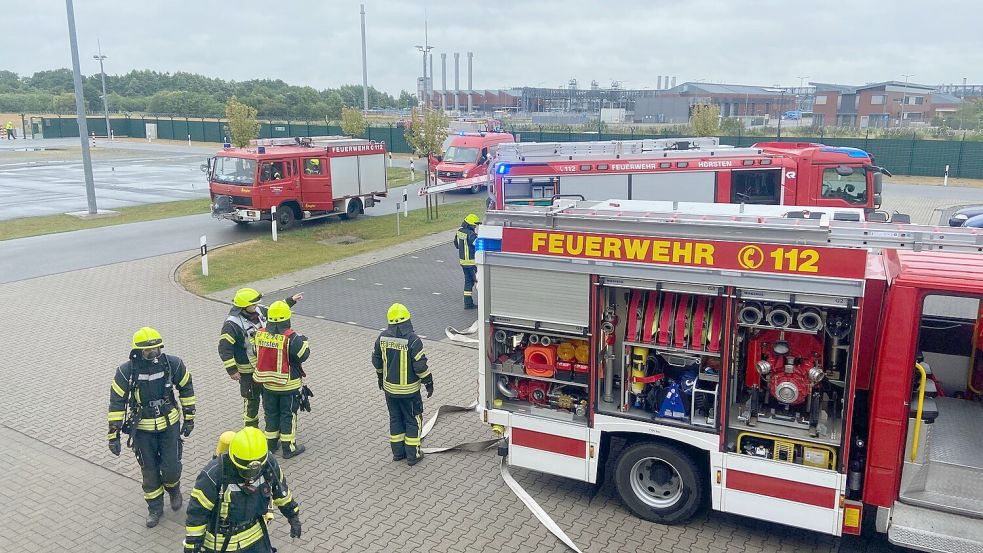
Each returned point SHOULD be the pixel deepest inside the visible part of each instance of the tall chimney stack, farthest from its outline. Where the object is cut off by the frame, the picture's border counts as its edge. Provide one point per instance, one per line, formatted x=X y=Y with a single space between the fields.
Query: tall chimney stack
x=457 y=81
x=658 y=85
x=443 y=80
x=674 y=82
x=470 y=85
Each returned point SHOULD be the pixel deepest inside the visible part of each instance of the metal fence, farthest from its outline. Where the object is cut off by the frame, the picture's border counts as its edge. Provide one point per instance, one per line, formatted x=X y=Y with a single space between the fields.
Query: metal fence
x=902 y=156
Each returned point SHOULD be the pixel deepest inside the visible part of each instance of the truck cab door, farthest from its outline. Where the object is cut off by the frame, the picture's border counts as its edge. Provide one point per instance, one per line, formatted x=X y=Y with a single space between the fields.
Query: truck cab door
x=274 y=182
x=315 y=184
x=840 y=186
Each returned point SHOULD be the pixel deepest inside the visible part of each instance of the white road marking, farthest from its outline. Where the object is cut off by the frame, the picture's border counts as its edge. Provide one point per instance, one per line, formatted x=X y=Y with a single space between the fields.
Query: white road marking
x=351 y=323
x=415 y=257
x=435 y=293
x=378 y=284
x=318 y=316
x=439 y=260
x=405 y=288
x=350 y=278
x=421 y=335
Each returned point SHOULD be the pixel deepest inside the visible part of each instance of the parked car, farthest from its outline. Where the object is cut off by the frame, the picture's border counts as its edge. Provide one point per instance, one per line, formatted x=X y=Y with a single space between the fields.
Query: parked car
x=962 y=217
x=794 y=115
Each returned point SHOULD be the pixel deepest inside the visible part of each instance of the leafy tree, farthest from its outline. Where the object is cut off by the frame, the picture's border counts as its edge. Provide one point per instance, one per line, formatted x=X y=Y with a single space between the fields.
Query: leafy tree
x=426 y=132
x=9 y=82
x=406 y=100
x=63 y=103
x=731 y=126
x=242 y=122
x=55 y=80
x=332 y=104
x=705 y=120
x=352 y=121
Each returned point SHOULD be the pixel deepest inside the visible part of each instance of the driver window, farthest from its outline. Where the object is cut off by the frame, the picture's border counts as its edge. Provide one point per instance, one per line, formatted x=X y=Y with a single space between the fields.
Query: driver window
x=756 y=187
x=852 y=188
x=271 y=171
x=312 y=166
x=484 y=156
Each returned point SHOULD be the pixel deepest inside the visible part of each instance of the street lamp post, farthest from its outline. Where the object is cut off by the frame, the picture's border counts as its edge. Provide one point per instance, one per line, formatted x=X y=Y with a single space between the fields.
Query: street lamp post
x=426 y=91
x=90 y=187
x=904 y=98
x=105 y=99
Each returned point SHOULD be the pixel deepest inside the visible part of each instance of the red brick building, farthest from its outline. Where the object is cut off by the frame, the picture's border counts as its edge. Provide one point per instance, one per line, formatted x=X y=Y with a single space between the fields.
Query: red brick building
x=878 y=105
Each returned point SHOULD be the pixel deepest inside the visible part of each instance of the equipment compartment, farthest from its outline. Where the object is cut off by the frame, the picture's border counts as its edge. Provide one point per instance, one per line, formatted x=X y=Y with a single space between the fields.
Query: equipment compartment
x=789 y=370
x=540 y=372
x=662 y=354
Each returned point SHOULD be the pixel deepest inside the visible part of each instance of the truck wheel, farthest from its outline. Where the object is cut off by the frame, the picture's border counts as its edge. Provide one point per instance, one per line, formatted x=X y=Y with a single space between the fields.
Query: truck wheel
x=353 y=209
x=659 y=482
x=475 y=188
x=285 y=217
x=243 y=224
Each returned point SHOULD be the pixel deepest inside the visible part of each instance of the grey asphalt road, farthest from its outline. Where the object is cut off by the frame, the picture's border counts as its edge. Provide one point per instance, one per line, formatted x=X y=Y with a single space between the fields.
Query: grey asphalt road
x=430 y=282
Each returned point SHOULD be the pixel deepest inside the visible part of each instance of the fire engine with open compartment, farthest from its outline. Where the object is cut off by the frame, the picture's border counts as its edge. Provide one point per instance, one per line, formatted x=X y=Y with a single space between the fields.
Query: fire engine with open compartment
x=796 y=370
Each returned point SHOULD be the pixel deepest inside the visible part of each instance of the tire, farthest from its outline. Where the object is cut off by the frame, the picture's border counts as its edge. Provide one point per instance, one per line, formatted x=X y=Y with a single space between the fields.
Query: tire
x=659 y=482
x=242 y=224
x=353 y=210
x=285 y=217
x=475 y=188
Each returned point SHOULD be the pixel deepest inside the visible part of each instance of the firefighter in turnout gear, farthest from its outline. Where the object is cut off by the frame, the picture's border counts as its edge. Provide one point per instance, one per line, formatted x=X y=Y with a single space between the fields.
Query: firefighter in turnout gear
x=142 y=404
x=237 y=349
x=464 y=242
x=401 y=366
x=234 y=496
x=280 y=355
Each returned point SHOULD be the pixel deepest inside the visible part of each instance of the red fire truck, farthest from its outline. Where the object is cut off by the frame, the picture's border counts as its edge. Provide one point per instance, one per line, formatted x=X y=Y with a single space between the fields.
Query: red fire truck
x=464 y=164
x=302 y=178
x=687 y=169
x=799 y=371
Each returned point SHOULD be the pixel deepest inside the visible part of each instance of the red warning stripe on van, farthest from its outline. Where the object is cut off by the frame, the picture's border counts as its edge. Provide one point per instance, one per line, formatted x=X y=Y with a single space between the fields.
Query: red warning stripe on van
x=549 y=442
x=780 y=488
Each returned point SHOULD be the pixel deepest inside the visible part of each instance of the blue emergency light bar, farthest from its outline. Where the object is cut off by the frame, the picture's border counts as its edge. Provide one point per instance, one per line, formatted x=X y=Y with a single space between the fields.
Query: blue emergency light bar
x=487 y=245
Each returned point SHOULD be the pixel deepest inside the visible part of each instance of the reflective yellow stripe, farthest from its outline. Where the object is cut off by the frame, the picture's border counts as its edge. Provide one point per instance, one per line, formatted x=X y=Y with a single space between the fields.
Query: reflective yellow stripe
x=187 y=377
x=396 y=438
x=186 y=401
x=229 y=363
x=113 y=435
x=208 y=504
x=468 y=263
x=159 y=423
x=418 y=356
x=400 y=389
x=424 y=374
x=239 y=541
x=284 y=500
x=292 y=384
x=116 y=415
x=118 y=389
x=303 y=348
x=154 y=494
x=195 y=530
x=223 y=510
x=271 y=435
x=468 y=294
x=228 y=338
x=404 y=366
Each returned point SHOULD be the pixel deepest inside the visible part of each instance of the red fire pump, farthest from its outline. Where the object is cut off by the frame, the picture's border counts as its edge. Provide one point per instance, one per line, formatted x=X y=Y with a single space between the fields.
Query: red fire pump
x=790 y=364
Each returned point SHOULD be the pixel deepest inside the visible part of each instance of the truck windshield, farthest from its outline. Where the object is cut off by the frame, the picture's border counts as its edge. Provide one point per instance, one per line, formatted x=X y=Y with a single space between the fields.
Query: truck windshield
x=461 y=155
x=851 y=188
x=234 y=170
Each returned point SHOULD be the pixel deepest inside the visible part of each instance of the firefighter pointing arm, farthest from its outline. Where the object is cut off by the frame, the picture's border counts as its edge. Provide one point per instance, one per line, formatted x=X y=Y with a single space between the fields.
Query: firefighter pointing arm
x=142 y=404
x=237 y=349
x=401 y=366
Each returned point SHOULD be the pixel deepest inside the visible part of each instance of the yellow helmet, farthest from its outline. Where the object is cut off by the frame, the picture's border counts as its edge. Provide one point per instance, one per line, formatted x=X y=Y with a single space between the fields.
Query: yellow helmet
x=223 y=442
x=246 y=297
x=315 y=161
x=248 y=452
x=472 y=219
x=279 y=312
x=147 y=338
x=398 y=313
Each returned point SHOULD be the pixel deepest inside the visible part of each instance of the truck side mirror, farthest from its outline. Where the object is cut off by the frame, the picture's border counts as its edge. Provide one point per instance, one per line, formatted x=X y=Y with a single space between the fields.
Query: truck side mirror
x=878 y=183
x=844 y=171
x=205 y=166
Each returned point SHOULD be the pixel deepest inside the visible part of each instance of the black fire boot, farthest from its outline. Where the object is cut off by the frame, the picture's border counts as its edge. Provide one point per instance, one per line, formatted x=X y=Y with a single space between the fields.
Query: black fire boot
x=273 y=445
x=153 y=516
x=176 y=498
x=414 y=460
x=291 y=450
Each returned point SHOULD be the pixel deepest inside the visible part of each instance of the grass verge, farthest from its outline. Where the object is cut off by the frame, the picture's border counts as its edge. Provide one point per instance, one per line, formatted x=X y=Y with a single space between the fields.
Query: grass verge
x=49 y=224
x=303 y=247
x=398 y=176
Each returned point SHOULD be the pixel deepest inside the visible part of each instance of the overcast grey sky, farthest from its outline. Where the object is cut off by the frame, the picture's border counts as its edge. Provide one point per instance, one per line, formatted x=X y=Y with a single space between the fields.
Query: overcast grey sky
x=515 y=43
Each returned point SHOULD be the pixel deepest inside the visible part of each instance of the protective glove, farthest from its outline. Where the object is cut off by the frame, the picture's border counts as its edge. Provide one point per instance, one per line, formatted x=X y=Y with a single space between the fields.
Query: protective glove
x=429 y=386
x=115 y=447
x=294 y=526
x=380 y=380
x=187 y=427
